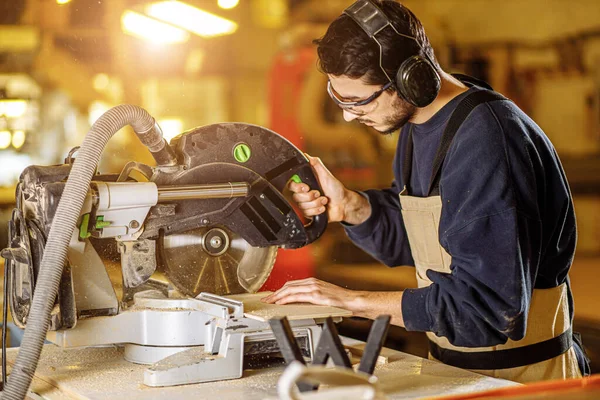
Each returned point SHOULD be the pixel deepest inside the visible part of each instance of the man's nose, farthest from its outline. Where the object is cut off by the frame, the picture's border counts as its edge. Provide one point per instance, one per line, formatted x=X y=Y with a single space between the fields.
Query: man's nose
x=348 y=116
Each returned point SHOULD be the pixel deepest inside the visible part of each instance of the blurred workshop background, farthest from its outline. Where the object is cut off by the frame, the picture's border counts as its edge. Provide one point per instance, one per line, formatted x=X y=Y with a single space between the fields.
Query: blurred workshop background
x=196 y=62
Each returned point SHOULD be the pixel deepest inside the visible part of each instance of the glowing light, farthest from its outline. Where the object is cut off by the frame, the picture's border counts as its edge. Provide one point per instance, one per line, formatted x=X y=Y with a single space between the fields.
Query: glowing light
x=194 y=61
x=138 y=25
x=171 y=127
x=18 y=139
x=228 y=4
x=62 y=1
x=97 y=108
x=13 y=108
x=193 y=19
x=5 y=138
x=273 y=14
x=13 y=163
x=101 y=82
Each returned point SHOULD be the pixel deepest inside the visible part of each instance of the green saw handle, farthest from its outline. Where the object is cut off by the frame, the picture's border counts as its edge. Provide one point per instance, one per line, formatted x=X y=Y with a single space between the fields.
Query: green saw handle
x=318 y=224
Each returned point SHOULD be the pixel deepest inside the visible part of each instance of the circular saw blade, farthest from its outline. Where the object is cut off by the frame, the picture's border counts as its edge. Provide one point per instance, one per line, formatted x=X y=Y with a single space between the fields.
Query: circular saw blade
x=215 y=260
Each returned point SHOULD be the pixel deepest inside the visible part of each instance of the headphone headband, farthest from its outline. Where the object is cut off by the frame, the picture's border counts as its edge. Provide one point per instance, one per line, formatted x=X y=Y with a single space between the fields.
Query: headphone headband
x=368 y=16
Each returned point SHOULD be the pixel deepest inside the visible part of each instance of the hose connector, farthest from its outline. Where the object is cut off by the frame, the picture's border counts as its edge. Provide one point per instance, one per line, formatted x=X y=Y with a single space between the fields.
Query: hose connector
x=153 y=139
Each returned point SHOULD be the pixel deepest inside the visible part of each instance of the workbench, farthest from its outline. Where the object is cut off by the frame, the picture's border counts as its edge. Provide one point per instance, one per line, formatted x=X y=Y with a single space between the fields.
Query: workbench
x=102 y=373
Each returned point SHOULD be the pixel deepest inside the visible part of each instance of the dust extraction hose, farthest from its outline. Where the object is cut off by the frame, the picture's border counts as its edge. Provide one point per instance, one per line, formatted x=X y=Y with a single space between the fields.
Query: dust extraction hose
x=64 y=223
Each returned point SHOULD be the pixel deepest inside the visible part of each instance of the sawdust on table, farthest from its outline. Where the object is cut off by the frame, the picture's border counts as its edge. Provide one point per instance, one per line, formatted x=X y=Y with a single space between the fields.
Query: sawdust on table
x=95 y=373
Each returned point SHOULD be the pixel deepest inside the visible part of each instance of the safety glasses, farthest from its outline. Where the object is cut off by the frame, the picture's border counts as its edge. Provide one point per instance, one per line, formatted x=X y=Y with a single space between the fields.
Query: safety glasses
x=344 y=104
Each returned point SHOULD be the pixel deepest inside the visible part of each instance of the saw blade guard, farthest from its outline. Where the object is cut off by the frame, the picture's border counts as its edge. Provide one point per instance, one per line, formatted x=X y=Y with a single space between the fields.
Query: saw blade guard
x=267 y=154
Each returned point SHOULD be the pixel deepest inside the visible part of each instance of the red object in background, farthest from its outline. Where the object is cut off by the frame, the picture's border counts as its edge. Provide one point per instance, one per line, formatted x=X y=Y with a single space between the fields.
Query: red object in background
x=580 y=388
x=286 y=82
x=290 y=265
x=285 y=87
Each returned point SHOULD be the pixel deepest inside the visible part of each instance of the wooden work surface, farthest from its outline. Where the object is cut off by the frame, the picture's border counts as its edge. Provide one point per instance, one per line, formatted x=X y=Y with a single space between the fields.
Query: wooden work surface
x=102 y=373
x=256 y=309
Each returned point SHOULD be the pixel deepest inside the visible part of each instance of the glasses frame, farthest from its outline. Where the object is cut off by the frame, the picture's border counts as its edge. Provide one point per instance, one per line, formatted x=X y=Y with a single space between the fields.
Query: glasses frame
x=351 y=104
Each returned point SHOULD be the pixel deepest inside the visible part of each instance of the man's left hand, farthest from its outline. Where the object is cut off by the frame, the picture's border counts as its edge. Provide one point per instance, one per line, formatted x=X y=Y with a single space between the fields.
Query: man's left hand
x=315 y=291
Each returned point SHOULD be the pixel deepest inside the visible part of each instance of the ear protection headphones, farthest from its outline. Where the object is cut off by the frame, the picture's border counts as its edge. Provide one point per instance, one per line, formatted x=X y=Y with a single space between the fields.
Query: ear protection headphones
x=417 y=80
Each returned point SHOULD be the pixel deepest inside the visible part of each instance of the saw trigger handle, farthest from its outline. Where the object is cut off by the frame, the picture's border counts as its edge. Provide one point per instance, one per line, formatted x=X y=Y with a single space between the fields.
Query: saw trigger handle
x=318 y=224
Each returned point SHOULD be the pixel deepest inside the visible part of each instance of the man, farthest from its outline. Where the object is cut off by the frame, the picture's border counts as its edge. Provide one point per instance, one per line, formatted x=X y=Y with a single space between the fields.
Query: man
x=479 y=205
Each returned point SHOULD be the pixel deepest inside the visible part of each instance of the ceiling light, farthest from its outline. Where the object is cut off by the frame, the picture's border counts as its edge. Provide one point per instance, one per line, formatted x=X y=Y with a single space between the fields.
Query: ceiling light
x=138 y=25
x=228 y=4
x=13 y=108
x=5 y=138
x=18 y=139
x=193 y=19
x=62 y=1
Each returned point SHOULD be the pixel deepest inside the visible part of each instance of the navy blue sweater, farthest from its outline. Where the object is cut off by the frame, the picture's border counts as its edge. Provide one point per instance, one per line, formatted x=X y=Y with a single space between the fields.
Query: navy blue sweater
x=507 y=221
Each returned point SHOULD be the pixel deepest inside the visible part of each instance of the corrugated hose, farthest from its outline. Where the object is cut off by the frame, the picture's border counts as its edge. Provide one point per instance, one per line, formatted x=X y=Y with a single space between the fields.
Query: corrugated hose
x=64 y=223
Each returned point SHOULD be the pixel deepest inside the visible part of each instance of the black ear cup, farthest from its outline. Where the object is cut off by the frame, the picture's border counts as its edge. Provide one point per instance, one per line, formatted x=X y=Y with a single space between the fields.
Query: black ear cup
x=417 y=81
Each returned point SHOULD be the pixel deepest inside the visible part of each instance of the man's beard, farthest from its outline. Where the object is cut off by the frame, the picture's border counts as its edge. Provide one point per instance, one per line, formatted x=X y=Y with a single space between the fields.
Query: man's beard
x=403 y=112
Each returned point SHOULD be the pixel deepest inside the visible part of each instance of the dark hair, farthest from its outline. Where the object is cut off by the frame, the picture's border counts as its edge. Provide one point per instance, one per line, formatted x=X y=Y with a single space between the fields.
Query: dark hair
x=347 y=50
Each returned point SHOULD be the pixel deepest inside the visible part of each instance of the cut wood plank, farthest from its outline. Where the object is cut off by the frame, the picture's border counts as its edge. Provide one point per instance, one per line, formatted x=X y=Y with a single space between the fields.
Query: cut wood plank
x=256 y=309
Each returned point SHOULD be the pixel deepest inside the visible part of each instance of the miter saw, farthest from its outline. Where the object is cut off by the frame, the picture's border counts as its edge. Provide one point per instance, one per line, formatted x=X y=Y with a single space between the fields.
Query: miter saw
x=154 y=249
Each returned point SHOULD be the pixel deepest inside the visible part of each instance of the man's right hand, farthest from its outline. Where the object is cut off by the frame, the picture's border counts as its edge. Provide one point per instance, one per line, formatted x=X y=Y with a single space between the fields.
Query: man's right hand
x=312 y=202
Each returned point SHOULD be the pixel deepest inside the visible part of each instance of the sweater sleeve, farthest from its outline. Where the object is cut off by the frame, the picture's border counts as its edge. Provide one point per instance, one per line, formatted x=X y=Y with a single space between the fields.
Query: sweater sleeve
x=383 y=235
x=494 y=241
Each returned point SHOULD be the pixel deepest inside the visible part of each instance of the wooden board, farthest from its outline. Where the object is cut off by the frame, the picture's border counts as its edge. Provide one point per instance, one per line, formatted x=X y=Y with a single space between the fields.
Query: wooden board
x=256 y=309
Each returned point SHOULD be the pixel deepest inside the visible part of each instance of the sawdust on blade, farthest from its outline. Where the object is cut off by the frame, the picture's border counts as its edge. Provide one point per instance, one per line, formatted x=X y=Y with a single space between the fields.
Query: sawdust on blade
x=256 y=309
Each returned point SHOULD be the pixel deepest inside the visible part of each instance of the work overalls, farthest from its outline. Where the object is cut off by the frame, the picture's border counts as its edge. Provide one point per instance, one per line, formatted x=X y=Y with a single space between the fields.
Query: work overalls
x=546 y=351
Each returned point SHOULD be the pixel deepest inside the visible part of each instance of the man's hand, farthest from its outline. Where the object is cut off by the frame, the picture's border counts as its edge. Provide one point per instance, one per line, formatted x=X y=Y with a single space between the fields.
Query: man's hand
x=361 y=303
x=312 y=202
x=341 y=204
x=315 y=291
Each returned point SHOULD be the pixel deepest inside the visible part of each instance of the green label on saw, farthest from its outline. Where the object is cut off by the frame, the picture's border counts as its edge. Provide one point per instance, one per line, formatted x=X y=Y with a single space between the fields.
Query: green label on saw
x=242 y=152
